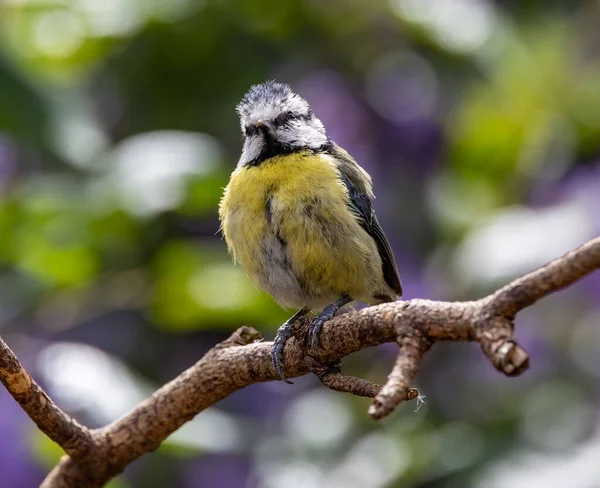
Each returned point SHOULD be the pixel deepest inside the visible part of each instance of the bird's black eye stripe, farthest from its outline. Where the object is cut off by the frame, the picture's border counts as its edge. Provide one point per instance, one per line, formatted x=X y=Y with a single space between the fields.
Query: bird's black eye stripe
x=286 y=117
x=282 y=119
x=250 y=130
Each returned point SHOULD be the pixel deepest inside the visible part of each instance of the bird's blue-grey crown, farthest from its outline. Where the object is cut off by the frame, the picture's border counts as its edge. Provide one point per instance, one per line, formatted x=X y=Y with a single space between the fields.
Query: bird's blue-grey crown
x=275 y=120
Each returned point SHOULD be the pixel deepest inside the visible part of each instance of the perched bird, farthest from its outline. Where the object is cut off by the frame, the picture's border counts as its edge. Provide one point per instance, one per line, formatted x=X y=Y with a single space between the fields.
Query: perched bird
x=297 y=215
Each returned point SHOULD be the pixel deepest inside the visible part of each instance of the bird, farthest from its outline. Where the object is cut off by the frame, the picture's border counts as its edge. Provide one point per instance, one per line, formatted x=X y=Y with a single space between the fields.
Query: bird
x=298 y=216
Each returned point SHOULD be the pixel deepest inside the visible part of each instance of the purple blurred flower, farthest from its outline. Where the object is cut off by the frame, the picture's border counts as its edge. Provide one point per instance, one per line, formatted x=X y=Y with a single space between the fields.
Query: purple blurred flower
x=347 y=121
x=581 y=186
x=414 y=147
x=222 y=470
x=17 y=467
x=7 y=160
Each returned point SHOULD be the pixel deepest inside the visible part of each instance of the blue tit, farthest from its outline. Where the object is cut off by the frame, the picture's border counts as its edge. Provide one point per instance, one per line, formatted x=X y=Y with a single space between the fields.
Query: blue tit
x=297 y=214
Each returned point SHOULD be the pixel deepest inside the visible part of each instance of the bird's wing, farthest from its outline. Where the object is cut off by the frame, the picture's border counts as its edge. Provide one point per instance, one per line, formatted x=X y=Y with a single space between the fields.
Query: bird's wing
x=358 y=182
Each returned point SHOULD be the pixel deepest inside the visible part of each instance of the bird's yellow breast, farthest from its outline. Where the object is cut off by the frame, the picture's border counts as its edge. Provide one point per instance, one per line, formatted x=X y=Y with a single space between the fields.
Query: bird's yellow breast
x=288 y=223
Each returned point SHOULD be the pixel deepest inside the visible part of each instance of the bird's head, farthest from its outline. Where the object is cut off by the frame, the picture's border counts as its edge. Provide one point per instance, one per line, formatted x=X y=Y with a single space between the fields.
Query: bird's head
x=275 y=121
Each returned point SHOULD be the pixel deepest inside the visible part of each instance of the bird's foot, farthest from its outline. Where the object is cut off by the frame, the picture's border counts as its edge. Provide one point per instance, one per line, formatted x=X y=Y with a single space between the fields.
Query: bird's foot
x=326 y=314
x=283 y=334
x=315 y=328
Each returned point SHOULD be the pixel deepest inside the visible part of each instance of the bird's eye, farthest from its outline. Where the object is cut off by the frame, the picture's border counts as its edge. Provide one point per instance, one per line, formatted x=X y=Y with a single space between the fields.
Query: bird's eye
x=285 y=117
x=250 y=130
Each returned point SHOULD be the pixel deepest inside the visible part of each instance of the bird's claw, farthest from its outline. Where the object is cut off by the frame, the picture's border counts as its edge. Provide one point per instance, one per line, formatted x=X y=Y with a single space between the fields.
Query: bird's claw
x=314 y=343
x=277 y=358
x=314 y=330
x=283 y=334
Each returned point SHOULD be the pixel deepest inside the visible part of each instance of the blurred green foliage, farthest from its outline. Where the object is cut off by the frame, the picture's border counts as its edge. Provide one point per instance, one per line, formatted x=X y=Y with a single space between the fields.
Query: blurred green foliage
x=480 y=123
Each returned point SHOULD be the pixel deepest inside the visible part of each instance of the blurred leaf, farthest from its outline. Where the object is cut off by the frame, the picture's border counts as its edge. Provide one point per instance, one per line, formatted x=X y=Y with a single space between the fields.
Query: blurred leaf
x=23 y=112
x=197 y=287
x=203 y=194
x=59 y=266
x=45 y=449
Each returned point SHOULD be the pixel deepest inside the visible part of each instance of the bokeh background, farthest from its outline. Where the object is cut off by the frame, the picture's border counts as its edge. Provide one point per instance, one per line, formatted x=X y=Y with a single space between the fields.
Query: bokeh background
x=479 y=121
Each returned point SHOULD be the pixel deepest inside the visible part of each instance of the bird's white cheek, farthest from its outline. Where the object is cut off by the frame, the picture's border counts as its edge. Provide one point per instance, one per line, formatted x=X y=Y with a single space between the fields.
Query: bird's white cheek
x=310 y=136
x=302 y=135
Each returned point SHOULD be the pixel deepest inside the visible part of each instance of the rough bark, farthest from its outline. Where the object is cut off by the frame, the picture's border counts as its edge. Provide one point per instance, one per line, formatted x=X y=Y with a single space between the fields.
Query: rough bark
x=95 y=456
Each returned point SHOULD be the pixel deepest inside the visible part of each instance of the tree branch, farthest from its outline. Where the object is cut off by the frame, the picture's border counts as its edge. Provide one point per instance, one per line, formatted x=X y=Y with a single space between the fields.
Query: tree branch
x=96 y=456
